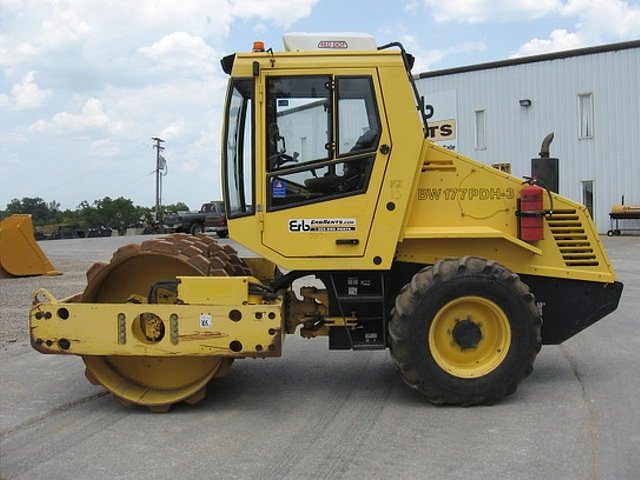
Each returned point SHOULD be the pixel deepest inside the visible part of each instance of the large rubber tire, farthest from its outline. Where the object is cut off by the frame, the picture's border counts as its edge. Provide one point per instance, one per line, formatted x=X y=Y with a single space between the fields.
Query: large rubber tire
x=157 y=382
x=465 y=332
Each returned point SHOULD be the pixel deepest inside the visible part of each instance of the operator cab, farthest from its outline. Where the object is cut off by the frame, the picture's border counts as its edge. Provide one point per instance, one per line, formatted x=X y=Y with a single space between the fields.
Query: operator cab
x=306 y=144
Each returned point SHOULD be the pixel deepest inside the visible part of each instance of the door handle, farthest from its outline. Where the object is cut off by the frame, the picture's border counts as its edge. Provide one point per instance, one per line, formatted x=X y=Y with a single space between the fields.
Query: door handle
x=347 y=241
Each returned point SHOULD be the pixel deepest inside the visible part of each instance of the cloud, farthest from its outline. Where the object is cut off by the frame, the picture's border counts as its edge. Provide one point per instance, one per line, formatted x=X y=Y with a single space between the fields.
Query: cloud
x=616 y=19
x=106 y=147
x=412 y=6
x=92 y=116
x=35 y=32
x=174 y=130
x=558 y=40
x=283 y=13
x=82 y=80
x=62 y=28
x=475 y=11
x=597 y=21
x=25 y=94
x=425 y=58
x=179 y=51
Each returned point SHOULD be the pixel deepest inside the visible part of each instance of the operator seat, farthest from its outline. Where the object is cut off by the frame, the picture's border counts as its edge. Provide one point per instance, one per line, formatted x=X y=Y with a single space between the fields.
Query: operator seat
x=354 y=170
x=365 y=141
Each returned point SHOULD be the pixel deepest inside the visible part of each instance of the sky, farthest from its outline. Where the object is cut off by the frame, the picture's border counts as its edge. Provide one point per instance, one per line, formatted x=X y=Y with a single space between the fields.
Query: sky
x=87 y=84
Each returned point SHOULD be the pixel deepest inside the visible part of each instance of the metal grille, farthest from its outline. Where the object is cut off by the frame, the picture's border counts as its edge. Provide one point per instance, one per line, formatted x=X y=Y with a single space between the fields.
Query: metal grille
x=571 y=238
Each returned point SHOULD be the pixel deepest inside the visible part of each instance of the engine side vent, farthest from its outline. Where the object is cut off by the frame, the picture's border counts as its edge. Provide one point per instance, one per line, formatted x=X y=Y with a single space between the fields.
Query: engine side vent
x=571 y=238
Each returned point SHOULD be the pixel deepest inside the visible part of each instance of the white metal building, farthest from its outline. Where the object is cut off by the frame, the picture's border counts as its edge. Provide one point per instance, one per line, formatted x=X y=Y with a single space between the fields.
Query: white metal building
x=500 y=112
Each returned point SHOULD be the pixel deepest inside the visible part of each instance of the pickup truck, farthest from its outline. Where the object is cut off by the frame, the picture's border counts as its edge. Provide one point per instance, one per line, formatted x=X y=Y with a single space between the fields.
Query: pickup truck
x=210 y=217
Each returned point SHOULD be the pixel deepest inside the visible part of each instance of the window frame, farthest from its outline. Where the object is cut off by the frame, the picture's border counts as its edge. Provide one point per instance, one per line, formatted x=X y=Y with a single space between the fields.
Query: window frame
x=335 y=158
x=373 y=106
x=480 y=134
x=586 y=121
x=250 y=208
x=330 y=127
x=587 y=188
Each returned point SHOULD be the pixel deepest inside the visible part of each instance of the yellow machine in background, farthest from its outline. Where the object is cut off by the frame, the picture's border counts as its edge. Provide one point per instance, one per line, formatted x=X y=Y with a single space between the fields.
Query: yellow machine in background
x=20 y=255
x=461 y=270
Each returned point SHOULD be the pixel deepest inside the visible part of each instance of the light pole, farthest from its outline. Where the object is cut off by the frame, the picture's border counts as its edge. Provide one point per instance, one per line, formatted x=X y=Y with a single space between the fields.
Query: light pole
x=159 y=160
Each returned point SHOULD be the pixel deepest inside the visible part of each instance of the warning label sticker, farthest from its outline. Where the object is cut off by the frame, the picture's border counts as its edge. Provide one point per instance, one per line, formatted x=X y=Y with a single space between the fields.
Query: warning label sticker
x=322 y=225
x=206 y=320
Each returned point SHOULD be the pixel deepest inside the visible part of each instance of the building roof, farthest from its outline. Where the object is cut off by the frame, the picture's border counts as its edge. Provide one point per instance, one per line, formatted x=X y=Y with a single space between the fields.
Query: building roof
x=612 y=47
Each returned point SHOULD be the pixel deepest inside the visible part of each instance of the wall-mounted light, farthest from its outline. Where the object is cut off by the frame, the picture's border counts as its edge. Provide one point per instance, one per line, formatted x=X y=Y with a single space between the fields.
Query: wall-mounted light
x=525 y=102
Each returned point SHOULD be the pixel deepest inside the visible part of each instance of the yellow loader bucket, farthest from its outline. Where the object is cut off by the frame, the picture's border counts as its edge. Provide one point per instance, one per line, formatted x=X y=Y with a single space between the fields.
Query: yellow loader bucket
x=20 y=255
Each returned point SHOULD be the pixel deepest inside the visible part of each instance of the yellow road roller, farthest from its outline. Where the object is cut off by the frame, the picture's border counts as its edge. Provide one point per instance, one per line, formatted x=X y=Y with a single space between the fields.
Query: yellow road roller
x=462 y=271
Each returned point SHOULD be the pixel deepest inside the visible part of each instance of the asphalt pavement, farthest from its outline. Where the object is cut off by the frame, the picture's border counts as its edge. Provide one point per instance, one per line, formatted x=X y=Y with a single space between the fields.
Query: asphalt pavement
x=320 y=414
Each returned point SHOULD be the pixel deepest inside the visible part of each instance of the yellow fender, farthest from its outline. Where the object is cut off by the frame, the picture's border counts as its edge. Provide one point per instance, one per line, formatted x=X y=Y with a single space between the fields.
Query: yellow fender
x=20 y=255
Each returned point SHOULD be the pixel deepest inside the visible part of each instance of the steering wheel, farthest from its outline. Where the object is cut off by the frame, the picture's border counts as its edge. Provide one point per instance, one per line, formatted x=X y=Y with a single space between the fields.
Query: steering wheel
x=280 y=158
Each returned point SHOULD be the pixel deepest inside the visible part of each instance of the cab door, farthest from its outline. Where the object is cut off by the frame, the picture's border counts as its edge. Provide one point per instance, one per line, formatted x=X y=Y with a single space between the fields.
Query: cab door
x=326 y=146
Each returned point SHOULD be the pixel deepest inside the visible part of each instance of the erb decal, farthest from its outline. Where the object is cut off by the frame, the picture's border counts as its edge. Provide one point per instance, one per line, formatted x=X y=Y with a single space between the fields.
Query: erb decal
x=297 y=225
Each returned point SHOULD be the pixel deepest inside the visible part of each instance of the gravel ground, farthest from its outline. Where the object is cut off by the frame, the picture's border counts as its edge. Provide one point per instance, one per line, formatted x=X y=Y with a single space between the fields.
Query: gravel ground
x=15 y=296
x=71 y=257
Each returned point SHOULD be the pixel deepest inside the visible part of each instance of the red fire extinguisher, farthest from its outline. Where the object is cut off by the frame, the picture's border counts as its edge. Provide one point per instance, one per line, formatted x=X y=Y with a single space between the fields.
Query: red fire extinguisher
x=531 y=213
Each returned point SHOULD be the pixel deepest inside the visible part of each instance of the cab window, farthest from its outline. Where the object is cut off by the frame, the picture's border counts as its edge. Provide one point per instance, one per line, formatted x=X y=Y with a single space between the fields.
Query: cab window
x=237 y=152
x=358 y=126
x=322 y=135
x=299 y=120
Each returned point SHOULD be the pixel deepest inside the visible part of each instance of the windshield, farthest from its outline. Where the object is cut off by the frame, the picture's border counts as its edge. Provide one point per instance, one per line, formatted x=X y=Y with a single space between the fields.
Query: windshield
x=237 y=151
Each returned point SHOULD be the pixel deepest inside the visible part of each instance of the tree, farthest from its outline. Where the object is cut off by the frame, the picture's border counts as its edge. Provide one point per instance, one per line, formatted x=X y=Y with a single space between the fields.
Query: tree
x=119 y=213
x=176 y=207
x=41 y=212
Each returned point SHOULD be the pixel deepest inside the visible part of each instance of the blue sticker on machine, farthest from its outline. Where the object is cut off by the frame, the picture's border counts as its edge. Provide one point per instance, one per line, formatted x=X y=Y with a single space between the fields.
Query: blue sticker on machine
x=279 y=189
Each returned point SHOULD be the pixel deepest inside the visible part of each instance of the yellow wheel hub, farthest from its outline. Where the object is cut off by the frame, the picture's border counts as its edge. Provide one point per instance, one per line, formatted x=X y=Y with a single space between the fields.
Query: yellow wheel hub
x=469 y=337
